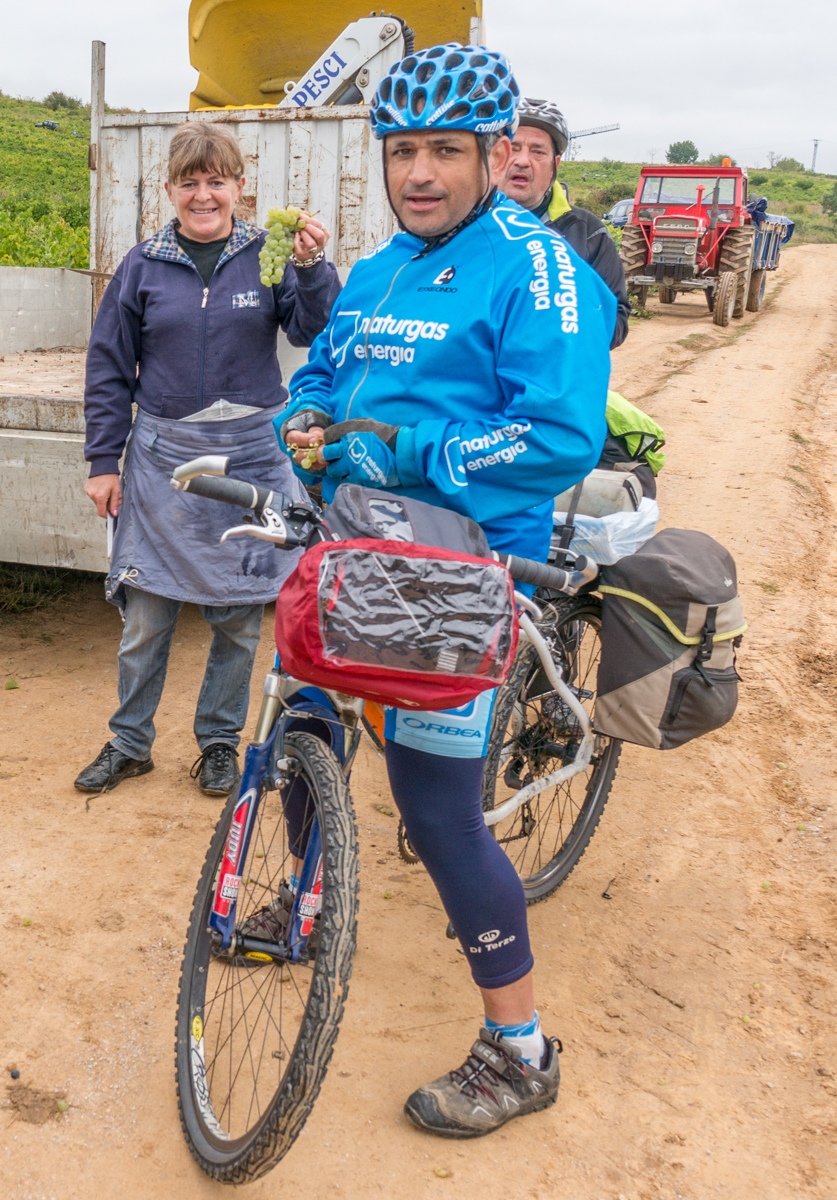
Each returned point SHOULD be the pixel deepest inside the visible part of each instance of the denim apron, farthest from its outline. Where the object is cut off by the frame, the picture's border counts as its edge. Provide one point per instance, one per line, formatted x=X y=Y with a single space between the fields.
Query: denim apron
x=167 y=542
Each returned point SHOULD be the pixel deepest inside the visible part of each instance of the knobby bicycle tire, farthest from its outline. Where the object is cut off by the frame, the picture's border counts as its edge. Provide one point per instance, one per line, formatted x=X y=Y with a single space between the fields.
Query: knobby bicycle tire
x=314 y=1019
x=545 y=839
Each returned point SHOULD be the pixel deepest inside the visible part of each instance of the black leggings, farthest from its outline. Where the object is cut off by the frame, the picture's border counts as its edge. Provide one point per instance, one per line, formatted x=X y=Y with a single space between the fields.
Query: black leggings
x=440 y=801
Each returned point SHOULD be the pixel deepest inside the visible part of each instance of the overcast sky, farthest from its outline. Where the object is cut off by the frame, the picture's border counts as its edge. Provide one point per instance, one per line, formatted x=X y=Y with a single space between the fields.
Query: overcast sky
x=736 y=79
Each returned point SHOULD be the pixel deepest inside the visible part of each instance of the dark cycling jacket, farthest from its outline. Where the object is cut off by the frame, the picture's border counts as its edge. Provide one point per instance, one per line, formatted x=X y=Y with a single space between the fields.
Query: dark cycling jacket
x=589 y=238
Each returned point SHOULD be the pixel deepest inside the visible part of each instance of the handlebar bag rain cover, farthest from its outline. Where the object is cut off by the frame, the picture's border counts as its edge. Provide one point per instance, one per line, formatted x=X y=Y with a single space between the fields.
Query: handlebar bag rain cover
x=393 y=620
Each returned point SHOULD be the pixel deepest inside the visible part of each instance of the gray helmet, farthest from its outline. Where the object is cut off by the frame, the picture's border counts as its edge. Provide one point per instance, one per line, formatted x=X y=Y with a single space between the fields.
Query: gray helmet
x=545 y=115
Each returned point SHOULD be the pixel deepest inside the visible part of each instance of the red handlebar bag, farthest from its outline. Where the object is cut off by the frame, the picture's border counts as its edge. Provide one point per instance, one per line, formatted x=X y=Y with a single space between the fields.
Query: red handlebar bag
x=404 y=624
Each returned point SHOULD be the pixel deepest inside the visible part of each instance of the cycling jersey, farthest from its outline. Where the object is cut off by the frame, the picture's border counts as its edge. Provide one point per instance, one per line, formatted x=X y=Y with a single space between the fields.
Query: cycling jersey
x=490 y=353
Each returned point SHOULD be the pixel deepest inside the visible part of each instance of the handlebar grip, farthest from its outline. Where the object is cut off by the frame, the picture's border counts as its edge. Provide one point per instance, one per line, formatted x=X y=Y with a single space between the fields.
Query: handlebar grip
x=229 y=491
x=527 y=570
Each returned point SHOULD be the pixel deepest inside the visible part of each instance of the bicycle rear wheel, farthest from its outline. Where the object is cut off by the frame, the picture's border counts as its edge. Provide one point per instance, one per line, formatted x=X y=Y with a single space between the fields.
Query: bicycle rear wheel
x=255 y=1035
x=534 y=733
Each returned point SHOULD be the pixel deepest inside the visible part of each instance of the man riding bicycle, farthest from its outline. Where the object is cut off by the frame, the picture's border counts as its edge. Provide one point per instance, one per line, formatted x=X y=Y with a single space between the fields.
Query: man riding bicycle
x=465 y=364
x=530 y=179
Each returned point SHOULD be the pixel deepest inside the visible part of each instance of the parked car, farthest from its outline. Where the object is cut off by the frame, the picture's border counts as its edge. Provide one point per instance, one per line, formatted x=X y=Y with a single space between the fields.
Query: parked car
x=620 y=214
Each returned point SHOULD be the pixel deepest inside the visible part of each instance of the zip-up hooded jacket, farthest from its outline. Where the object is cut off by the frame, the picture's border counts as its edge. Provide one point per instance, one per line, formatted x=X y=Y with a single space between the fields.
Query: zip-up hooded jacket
x=491 y=355
x=164 y=341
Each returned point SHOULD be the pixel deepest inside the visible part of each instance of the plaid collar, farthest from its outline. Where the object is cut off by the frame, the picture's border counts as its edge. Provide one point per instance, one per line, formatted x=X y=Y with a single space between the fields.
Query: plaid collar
x=164 y=245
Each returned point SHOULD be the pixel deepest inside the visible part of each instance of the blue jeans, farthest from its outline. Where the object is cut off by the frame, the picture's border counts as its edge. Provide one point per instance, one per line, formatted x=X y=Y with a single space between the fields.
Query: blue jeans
x=144 y=658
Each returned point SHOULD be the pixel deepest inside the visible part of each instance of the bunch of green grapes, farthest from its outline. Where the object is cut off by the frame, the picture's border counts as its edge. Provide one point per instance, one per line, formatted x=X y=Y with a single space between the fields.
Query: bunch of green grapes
x=282 y=224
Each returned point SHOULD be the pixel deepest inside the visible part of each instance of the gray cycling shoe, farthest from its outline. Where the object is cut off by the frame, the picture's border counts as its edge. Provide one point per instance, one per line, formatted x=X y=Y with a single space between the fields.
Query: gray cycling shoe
x=491 y=1087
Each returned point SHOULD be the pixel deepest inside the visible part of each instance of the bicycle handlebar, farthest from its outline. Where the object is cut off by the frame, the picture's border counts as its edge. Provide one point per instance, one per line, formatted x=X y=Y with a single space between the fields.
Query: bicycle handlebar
x=528 y=570
x=247 y=495
x=230 y=491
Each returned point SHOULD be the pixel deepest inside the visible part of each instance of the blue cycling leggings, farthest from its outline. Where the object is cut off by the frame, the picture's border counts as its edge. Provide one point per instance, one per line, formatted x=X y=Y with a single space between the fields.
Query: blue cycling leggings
x=439 y=798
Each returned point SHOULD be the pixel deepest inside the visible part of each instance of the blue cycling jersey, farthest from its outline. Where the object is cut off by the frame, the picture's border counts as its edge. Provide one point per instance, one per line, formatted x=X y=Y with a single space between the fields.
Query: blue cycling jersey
x=492 y=355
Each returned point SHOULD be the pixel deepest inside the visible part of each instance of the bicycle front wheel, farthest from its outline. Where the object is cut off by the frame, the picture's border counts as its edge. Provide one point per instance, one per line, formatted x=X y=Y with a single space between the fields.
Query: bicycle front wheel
x=255 y=1035
x=533 y=733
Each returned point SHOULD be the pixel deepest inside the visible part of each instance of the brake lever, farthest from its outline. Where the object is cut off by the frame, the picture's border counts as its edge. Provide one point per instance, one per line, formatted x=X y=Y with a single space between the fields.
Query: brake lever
x=270 y=528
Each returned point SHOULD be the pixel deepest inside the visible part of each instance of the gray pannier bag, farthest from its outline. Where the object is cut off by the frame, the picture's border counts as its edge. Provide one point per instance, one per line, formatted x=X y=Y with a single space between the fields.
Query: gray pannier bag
x=672 y=621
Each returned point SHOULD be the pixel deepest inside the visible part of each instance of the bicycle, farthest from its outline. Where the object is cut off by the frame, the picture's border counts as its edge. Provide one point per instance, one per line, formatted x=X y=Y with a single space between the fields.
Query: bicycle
x=545 y=827
x=266 y=970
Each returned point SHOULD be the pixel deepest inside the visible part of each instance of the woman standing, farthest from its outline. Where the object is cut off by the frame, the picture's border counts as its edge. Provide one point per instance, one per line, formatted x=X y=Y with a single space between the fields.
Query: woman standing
x=186 y=331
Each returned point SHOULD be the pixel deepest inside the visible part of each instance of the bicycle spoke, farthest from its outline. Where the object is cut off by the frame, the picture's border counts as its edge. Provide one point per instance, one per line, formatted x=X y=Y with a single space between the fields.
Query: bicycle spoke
x=542 y=735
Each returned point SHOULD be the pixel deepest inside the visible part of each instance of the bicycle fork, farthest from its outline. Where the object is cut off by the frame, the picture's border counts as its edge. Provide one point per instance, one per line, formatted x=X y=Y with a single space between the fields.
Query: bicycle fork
x=262 y=758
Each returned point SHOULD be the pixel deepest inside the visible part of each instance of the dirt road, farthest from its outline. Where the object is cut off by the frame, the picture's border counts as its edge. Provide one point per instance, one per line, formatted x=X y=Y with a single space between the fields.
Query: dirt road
x=697 y=1006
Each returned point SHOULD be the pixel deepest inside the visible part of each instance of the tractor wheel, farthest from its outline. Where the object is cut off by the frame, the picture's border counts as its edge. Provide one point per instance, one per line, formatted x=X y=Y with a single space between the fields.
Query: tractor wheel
x=725 y=294
x=667 y=295
x=755 y=294
x=633 y=251
x=737 y=255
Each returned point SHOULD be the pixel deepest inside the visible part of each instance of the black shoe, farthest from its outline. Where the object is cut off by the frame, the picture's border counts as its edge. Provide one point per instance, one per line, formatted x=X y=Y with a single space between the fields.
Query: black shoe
x=218 y=770
x=109 y=768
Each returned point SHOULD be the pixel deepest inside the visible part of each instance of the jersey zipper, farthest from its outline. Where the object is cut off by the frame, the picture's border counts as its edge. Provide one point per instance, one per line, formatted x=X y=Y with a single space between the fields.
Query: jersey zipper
x=380 y=304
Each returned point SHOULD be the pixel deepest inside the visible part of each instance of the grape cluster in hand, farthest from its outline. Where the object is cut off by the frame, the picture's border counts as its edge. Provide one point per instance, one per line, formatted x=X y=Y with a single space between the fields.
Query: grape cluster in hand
x=282 y=224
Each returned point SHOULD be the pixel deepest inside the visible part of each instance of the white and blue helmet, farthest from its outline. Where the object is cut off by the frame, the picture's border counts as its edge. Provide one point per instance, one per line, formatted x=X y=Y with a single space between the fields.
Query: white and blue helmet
x=447 y=87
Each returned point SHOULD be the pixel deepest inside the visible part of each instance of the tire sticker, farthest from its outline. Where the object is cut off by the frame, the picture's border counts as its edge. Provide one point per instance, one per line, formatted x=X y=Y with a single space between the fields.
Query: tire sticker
x=200 y=1087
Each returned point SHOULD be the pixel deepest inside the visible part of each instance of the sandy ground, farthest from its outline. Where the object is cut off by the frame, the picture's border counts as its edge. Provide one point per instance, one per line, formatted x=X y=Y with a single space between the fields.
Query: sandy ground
x=697 y=1006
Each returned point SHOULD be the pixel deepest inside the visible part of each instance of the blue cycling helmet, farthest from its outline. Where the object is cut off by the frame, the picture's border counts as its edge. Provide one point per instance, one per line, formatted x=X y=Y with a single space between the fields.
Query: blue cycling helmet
x=447 y=87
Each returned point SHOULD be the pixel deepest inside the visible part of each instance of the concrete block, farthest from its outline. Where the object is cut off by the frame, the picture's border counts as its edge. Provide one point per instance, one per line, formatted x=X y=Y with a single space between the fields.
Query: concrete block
x=42 y=308
x=45 y=517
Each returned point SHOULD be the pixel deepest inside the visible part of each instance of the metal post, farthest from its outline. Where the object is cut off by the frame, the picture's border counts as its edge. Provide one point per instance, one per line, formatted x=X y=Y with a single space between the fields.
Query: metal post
x=814 y=163
x=97 y=112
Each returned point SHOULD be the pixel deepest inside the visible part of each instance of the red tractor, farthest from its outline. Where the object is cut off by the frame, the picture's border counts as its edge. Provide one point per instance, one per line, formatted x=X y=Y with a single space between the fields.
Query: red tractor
x=692 y=229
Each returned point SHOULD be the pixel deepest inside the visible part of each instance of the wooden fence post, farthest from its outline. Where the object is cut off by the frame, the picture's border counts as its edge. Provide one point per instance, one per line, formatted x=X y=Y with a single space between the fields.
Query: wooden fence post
x=94 y=158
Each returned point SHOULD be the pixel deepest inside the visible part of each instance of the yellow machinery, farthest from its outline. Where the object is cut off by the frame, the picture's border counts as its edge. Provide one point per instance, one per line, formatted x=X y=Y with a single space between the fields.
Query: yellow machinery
x=247 y=50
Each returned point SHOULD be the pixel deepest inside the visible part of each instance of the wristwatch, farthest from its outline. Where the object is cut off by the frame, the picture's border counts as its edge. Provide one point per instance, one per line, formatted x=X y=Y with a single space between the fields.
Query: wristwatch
x=310 y=262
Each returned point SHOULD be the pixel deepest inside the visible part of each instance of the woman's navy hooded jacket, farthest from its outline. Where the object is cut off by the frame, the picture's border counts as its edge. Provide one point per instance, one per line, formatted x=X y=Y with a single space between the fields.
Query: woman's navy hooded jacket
x=163 y=341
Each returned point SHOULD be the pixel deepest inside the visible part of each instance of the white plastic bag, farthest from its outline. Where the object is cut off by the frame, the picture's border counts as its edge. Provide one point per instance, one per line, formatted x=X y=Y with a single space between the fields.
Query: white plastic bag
x=607 y=539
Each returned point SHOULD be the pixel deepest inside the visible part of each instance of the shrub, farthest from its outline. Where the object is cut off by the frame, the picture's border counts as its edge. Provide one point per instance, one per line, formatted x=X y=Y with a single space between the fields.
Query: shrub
x=58 y=100
x=788 y=164
x=759 y=178
x=682 y=152
x=805 y=184
x=25 y=242
x=829 y=202
x=600 y=200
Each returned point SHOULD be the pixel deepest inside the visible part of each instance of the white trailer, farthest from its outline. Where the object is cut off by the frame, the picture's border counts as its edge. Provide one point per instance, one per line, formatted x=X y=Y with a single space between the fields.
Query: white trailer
x=319 y=159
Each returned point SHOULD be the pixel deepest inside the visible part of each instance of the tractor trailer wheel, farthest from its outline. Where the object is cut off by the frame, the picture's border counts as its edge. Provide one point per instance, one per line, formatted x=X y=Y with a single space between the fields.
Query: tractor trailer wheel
x=633 y=251
x=737 y=255
x=667 y=295
x=755 y=293
x=725 y=294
